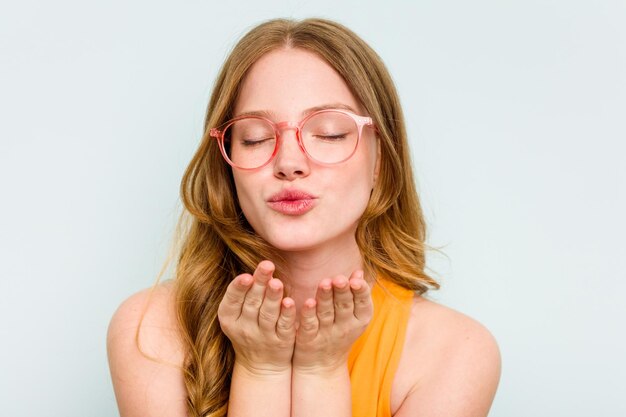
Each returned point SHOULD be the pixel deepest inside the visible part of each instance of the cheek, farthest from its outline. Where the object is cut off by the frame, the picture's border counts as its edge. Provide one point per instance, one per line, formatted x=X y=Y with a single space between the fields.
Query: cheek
x=356 y=191
x=245 y=195
x=371 y=162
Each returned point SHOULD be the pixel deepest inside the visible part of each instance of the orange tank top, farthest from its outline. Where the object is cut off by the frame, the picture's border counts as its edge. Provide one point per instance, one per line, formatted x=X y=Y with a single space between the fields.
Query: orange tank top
x=375 y=355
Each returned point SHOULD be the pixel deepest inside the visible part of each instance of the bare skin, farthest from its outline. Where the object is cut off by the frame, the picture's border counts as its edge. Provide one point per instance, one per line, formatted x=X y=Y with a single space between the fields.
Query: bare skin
x=291 y=352
x=323 y=264
x=450 y=365
x=264 y=329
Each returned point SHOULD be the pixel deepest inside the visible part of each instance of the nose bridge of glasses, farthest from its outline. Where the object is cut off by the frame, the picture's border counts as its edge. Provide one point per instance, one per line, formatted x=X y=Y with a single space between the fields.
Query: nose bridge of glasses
x=281 y=127
x=287 y=125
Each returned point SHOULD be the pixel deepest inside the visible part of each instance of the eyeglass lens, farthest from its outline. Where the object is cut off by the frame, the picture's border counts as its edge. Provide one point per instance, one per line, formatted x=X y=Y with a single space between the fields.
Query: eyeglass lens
x=328 y=137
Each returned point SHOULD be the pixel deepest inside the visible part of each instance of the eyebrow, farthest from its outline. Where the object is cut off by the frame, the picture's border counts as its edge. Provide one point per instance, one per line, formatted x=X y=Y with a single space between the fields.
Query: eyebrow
x=271 y=115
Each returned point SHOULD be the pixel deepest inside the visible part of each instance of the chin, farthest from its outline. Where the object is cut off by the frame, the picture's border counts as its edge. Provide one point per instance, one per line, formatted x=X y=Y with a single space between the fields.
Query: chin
x=309 y=239
x=293 y=242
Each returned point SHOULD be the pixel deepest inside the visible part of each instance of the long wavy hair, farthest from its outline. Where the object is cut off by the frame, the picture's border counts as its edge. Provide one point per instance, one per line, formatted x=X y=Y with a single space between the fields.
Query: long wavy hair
x=217 y=243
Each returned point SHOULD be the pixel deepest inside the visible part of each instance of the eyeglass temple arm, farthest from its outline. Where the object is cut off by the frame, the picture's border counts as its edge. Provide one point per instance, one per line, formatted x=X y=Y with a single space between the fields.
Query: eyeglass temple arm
x=369 y=122
x=216 y=133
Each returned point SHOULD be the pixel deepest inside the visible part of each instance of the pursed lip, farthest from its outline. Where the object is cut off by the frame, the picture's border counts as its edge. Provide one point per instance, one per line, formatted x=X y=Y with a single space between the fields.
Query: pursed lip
x=292 y=202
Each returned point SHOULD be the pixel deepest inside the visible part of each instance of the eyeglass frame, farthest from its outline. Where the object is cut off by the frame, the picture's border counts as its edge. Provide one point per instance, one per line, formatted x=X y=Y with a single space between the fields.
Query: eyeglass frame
x=360 y=121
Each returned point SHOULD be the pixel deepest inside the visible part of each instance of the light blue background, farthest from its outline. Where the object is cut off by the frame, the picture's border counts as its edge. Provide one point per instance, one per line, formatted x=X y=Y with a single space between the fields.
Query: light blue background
x=516 y=114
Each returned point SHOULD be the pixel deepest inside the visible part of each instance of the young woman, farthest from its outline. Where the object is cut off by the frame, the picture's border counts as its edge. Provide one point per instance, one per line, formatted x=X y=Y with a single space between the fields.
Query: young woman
x=299 y=281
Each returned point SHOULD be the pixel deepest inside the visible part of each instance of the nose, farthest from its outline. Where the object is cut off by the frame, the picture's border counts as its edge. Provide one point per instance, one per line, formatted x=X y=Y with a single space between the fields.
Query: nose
x=290 y=161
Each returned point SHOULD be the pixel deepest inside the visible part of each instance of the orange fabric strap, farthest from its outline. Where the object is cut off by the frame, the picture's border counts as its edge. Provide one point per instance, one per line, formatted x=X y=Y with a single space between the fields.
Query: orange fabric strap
x=375 y=355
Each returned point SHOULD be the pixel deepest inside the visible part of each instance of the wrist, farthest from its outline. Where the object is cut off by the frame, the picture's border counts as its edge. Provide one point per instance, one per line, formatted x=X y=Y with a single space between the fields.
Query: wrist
x=332 y=384
x=327 y=371
x=259 y=391
x=261 y=371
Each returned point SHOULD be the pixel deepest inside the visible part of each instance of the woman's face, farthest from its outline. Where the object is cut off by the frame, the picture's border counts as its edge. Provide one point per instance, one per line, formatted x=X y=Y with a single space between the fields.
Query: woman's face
x=294 y=203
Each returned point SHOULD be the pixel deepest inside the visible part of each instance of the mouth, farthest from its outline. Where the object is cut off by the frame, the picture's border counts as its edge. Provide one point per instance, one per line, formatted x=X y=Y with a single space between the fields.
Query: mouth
x=292 y=202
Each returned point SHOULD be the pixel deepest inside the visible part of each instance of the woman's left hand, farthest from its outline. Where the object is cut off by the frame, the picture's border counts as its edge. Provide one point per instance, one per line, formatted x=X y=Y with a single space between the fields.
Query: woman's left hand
x=331 y=323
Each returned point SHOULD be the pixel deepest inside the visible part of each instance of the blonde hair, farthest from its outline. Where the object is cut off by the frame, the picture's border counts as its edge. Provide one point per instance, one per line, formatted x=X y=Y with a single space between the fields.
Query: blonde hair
x=218 y=243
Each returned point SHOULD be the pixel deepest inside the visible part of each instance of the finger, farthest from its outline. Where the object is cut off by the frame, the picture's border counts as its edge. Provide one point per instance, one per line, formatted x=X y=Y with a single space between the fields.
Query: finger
x=343 y=302
x=308 y=321
x=286 y=324
x=232 y=303
x=363 y=306
x=270 y=309
x=325 y=308
x=254 y=297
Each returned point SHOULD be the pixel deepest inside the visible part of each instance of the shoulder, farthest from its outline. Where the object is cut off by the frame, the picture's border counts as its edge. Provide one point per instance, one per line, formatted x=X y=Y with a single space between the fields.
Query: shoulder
x=447 y=330
x=450 y=364
x=148 y=319
x=146 y=354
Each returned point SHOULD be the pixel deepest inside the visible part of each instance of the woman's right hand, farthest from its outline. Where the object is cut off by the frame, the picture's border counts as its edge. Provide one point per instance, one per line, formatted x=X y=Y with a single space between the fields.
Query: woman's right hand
x=259 y=322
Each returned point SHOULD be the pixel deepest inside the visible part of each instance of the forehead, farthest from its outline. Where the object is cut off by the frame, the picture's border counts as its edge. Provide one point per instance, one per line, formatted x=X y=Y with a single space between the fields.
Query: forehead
x=286 y=82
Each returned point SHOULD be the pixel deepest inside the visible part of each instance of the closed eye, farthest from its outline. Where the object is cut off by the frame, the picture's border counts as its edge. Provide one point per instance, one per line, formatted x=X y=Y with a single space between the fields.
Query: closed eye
x=332 y=138
x=255 y=142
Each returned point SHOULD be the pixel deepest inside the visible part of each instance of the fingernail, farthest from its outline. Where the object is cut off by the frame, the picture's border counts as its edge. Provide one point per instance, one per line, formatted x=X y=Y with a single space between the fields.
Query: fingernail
x=266 y=268
x=276 y=284
x=341 y=284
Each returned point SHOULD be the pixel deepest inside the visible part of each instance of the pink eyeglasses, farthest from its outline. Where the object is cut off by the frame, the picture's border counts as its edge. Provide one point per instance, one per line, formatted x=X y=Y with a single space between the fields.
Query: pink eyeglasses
x=328 y=136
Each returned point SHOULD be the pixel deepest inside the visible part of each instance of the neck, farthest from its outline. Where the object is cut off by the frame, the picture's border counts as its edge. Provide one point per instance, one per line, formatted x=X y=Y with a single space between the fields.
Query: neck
x=305 y=269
